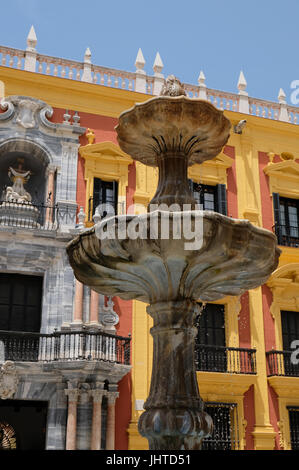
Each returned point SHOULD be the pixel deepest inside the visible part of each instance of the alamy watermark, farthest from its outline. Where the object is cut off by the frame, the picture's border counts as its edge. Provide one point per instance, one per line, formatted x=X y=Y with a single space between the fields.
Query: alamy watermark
x=294 y=98
x=161 y=222
x=295 y=354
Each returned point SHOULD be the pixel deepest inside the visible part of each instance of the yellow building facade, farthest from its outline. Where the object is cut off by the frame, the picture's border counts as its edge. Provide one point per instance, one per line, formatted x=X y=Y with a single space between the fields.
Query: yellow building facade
x=247 y=374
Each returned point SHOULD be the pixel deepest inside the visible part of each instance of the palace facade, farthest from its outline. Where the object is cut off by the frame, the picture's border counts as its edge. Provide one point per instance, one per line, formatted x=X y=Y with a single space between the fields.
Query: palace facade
x=77 y=364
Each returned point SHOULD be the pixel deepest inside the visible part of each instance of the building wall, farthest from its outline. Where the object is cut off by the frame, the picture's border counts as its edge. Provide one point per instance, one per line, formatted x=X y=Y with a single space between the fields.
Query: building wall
x=261 y=400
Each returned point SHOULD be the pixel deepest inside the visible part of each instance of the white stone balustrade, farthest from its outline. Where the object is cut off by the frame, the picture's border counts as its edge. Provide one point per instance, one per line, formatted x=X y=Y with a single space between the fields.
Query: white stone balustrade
x=140 y=82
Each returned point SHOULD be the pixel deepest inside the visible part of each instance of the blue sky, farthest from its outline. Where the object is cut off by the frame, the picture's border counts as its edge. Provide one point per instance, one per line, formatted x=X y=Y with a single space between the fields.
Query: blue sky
x=219 y=37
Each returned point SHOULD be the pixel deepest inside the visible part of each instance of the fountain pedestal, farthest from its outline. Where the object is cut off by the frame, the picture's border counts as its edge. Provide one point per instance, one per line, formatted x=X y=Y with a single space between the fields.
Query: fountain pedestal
x=174 y=416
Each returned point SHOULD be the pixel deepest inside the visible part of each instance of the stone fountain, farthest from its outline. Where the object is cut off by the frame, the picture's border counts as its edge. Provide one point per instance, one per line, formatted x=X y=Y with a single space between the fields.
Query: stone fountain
x=129 y=256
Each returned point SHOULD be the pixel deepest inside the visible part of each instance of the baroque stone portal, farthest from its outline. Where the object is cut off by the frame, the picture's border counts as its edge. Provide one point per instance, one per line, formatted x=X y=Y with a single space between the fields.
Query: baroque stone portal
x=131 y=257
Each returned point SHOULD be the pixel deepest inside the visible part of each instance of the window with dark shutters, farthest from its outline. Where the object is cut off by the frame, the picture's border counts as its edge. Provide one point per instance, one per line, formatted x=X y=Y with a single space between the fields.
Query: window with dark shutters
x=20 y=302
x=210 y=350
x=294 y=426
x=286 y=217
x=104 y=192
x=211 y=198
x=221 y=196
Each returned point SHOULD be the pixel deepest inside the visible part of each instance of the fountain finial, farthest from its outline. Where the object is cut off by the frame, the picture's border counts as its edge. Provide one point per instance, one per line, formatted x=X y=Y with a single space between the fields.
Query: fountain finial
x=172 y=87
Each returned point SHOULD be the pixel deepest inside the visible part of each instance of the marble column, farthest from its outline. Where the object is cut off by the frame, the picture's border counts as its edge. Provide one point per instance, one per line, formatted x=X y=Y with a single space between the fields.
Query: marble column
x=50 y=193
x=96 y=431
x=94 y=308
x=71 y=426
x=78 y=304
x=110 y=432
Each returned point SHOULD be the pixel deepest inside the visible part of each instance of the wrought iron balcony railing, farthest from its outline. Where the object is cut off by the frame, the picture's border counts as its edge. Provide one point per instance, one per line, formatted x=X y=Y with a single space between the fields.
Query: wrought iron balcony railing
x=64 y=346
x=29 y=216
x=282 y=363
x=287 y=236
x=224 y=359
x=225 y=434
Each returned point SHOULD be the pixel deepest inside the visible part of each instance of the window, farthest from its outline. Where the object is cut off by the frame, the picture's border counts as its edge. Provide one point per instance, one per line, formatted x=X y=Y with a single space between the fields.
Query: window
x=20 y=302
x=294 y=426
x=225 y=433
x=210 y=350
x=104 y=192
x=286 y=215
x=290 y=332
x=211 y=198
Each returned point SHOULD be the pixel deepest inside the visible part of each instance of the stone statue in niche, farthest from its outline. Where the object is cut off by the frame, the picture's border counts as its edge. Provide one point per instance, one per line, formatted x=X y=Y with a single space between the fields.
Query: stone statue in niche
x=19 y=177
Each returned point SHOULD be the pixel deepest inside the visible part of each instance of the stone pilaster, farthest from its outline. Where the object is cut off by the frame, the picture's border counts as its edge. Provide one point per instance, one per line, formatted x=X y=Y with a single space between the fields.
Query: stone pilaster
x=78 y=304
x=71 y=427
x=94 y=309
x=96 y=432
x=110 y=433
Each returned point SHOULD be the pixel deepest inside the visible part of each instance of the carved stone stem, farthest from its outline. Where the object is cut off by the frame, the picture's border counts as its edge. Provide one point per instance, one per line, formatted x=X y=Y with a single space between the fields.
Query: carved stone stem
x=174 y=416
x=173 y=187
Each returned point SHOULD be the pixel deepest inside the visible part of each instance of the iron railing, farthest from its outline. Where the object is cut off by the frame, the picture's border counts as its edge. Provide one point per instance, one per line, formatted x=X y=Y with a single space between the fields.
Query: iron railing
x=225 y=434
x=64 y=346
x=28 y=215
x=287 y=236
x=225 y=359
x=282 y=363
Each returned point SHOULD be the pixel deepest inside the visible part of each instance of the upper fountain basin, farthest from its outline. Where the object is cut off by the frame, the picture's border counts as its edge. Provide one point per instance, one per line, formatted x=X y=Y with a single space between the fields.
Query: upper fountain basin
x=172 y=125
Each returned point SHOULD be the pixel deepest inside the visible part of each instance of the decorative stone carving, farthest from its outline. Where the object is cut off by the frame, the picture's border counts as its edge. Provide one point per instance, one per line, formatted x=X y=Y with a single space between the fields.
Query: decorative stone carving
x=17 y=208
x=16 y=192
x=26 y=113
x=111 y=397
x=8 y=380
x=108 y=317
x=172 y=87
x=29 y=113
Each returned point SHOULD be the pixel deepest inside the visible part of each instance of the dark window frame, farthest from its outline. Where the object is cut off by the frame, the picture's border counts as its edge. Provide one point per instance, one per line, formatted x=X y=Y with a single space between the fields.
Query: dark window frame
x=287 y=234
x=210 y=343
x=23 y=305
x=293 y=412
x=100 y=187
x=217 y=191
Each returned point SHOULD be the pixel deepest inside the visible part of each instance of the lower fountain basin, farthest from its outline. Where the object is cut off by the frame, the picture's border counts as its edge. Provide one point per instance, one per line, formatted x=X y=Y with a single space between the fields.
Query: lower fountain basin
x=127 y=256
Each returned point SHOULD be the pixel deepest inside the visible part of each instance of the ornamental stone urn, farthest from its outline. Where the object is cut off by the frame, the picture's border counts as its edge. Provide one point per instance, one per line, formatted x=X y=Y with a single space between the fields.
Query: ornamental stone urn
x=131 y=257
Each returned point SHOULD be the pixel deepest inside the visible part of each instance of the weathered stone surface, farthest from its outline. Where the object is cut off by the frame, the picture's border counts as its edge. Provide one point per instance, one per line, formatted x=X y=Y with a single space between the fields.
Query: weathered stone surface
x=177 y=124
x=234 y=256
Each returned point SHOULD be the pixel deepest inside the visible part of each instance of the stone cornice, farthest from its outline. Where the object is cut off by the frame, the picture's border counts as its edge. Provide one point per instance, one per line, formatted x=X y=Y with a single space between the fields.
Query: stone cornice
x=70 y=94
x=285 y=387
x=217 y=385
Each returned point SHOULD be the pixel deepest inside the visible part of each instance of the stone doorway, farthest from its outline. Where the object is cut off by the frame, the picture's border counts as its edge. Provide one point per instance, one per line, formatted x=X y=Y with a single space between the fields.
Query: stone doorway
x=23 y=424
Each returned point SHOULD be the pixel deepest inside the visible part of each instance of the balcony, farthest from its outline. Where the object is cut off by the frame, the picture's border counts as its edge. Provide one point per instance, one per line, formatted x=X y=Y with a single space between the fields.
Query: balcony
x=224 y=359
x=64 y=346
x=280 y=363
x=29 y=216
